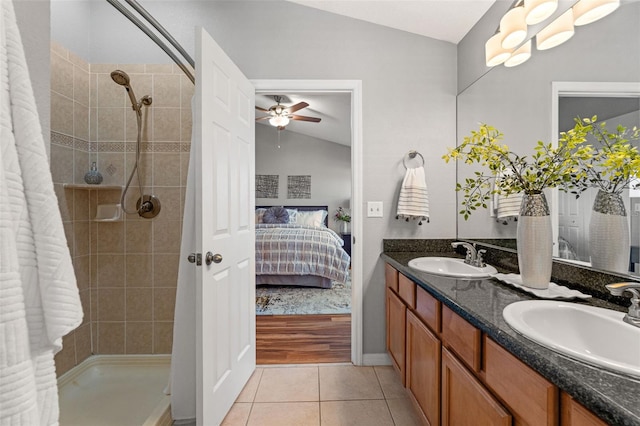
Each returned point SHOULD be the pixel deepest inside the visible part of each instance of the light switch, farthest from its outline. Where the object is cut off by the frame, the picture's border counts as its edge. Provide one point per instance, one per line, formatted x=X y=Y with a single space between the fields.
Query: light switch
x=374 y=209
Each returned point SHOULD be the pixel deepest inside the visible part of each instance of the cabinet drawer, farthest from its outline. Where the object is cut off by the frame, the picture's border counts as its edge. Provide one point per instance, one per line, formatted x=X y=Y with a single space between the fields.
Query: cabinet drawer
x=574 y=414
x=465 y=401
x=462 y=338
x=428 y=309
x=407 y=291
x=531 y=399
x=391 y=277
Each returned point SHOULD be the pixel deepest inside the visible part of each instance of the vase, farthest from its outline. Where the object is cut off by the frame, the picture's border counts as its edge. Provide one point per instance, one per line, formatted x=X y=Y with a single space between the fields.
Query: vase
x=93 y=176
x=609 y=233
x=535 y=241
x=345 y=228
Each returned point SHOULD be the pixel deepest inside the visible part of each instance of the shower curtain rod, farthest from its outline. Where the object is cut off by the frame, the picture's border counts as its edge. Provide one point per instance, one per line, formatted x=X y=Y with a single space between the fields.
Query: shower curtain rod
x=138 y=23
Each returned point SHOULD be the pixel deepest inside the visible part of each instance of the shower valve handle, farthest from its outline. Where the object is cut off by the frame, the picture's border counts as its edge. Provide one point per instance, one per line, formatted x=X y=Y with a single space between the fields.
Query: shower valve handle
x=212 y=258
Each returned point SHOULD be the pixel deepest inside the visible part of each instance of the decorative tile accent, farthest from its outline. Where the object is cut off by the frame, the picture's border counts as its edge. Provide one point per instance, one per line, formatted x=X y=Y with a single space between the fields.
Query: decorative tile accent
x=62 y=139
x=299 y=187
x=267 y=186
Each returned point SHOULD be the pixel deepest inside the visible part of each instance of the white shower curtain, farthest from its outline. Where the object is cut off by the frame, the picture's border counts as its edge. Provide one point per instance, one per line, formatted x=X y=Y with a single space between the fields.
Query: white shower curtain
x=183 y=357
x=39 y=300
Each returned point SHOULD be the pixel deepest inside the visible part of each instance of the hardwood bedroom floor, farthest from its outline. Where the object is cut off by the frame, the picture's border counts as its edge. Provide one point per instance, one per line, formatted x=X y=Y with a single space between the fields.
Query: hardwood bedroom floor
x=303 y=339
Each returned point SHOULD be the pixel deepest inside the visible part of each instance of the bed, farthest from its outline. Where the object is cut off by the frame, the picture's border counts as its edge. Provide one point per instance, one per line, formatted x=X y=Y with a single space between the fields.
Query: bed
x=298 y=249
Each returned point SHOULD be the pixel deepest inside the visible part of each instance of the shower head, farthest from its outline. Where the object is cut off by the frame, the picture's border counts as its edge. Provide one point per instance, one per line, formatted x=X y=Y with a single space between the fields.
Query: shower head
x=120 y=77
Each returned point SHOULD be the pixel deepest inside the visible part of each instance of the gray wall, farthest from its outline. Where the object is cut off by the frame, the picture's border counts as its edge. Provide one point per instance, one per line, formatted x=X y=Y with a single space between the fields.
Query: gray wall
x=328 y=164
x=409 y=93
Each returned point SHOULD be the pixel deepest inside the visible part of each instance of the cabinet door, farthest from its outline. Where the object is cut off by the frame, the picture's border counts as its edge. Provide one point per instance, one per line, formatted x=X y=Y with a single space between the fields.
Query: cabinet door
x=396 y=327
x=574 y=414
x=423 y=368
x=465 y=401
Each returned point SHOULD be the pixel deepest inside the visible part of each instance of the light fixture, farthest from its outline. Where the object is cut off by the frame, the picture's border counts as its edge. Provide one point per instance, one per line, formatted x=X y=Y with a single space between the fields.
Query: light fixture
x=588 y=11
x=513 y=27
x=536 y=11
x=521 y=54
x=495 y=54
x=557 y=32
x=279 y=120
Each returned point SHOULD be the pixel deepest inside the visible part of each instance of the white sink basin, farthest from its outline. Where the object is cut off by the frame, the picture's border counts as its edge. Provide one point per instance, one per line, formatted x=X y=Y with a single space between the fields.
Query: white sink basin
x=594 y=335
x=450 y=267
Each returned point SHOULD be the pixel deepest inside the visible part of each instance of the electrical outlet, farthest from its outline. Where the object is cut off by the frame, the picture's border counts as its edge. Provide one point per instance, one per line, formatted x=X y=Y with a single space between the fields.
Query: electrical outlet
x=374 y=209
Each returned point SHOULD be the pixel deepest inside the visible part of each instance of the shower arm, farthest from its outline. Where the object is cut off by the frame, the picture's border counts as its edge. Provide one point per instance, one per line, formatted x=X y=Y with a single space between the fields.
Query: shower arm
x=138 y=23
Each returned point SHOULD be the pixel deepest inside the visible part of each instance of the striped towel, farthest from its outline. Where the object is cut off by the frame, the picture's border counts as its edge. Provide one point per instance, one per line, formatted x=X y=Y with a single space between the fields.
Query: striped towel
x=505 y=207
x=413 y=202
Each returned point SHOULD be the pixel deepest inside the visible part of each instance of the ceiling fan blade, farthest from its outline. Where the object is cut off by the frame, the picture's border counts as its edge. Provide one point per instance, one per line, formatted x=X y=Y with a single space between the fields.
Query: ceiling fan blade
x=261 y=109
x=263 y=118
x=305 y=118
x=296 y=107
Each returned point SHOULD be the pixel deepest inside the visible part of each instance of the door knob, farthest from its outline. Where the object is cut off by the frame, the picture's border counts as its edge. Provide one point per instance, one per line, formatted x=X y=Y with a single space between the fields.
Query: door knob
x=195 y=258
x=210 y=257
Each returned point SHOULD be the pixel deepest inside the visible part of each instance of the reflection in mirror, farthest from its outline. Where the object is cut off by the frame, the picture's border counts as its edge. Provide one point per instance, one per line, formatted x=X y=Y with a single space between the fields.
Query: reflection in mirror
x=615 y=104
x=519 y=101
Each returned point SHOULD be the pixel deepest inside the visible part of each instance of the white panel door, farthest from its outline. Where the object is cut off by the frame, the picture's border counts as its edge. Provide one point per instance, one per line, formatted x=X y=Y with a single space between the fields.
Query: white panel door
x=225 y=167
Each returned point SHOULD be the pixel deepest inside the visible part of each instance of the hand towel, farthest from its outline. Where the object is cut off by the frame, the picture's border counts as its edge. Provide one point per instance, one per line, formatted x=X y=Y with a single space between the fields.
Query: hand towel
x=505 y=207
x=413 y=201
x=39 y=299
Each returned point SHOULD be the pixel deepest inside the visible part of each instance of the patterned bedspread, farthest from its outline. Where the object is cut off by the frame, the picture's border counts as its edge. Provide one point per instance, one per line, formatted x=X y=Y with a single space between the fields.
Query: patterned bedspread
x=300 y=250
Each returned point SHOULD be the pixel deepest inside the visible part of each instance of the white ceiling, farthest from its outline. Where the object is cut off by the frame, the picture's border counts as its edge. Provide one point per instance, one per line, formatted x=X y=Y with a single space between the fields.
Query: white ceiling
x=447 y=20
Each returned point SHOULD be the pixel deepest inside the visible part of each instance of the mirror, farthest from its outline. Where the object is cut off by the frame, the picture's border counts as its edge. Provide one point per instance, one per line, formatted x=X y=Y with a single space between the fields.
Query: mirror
x=520 y=101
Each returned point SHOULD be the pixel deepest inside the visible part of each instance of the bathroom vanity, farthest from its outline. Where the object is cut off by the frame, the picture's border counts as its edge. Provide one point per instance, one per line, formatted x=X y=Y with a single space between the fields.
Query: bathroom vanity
x=462 y=363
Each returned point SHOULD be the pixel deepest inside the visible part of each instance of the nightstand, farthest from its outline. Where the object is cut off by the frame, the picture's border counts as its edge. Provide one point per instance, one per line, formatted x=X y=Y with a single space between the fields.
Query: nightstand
x=347 y=243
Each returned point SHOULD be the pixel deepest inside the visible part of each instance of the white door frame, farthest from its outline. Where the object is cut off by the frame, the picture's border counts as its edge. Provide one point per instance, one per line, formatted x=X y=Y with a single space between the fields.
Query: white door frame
x=354 y=87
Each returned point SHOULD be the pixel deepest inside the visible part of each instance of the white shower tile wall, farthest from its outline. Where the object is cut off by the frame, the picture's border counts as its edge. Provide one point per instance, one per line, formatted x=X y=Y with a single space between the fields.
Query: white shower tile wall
x=126 y=270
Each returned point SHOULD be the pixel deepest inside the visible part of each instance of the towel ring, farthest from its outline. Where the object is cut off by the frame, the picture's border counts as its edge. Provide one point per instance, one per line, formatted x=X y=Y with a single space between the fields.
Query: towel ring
x=412 y=155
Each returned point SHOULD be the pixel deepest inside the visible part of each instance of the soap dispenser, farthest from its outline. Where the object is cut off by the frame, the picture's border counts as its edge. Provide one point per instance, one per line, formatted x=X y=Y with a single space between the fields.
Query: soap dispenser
x=93 y=176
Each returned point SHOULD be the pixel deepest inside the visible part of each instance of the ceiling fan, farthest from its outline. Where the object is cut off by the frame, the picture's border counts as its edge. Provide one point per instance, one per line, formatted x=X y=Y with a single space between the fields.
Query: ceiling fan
x=280 y=115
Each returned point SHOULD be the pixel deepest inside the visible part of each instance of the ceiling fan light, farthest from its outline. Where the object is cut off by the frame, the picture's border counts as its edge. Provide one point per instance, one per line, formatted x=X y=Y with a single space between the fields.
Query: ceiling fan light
x=588 y=11
x=536 y=11
x=279 y=120
x=521 y=55
x=513 y=28
x=557 y=32
x=495 y=54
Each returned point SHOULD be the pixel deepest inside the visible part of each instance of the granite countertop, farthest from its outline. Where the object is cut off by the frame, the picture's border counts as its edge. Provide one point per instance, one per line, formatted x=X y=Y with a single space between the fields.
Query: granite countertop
x=614 y=397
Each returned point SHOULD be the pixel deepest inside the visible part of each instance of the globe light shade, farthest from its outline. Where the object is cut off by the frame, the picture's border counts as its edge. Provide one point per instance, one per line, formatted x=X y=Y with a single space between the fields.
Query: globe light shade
x=536 y=11
x=588 y=11
x=495 y=54
x=557 y=32
x=513 y=28
x=279 y=121
x=521 y=55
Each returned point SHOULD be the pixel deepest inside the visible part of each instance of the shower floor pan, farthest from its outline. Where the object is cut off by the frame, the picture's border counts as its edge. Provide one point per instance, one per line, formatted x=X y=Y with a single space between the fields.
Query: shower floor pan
x=116 y=390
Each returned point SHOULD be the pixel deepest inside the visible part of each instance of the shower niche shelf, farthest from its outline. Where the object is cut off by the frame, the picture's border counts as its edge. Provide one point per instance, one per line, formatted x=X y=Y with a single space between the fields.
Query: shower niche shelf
x=87 y=187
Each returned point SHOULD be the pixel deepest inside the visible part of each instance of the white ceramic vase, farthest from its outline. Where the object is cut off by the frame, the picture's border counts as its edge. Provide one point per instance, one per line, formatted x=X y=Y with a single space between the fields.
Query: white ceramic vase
x=609 y=234
x=535 y=241
x=345 y=227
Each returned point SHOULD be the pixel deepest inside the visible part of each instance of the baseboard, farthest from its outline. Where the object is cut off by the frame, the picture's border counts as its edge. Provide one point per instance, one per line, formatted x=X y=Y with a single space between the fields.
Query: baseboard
x=376 y=359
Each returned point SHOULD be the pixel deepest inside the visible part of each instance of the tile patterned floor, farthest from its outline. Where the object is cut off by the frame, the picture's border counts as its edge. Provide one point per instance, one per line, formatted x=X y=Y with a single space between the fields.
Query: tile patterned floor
x=325 y=395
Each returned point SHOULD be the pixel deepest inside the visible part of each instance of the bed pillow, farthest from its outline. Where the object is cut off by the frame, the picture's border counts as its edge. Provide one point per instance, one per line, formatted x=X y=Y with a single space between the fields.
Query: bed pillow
x=275 y=215
x=260 y=214
x=293 y=215
x=311 y=218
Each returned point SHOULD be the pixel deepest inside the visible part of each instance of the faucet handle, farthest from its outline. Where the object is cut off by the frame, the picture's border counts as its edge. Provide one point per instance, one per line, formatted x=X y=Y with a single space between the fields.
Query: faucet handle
x=618 y=289
x=479 y=258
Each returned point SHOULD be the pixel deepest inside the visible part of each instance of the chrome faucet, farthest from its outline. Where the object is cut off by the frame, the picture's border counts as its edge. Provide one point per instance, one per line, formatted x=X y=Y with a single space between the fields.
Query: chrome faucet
x=474 y=257
x=618 y=289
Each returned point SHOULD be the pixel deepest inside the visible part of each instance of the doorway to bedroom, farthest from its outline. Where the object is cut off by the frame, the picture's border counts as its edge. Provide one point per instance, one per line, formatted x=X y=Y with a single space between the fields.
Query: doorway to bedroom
x=304 y=183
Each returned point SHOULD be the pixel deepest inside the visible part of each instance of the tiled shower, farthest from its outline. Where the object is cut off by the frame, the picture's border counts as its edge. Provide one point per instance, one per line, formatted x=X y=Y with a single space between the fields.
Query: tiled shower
x=127 y=269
